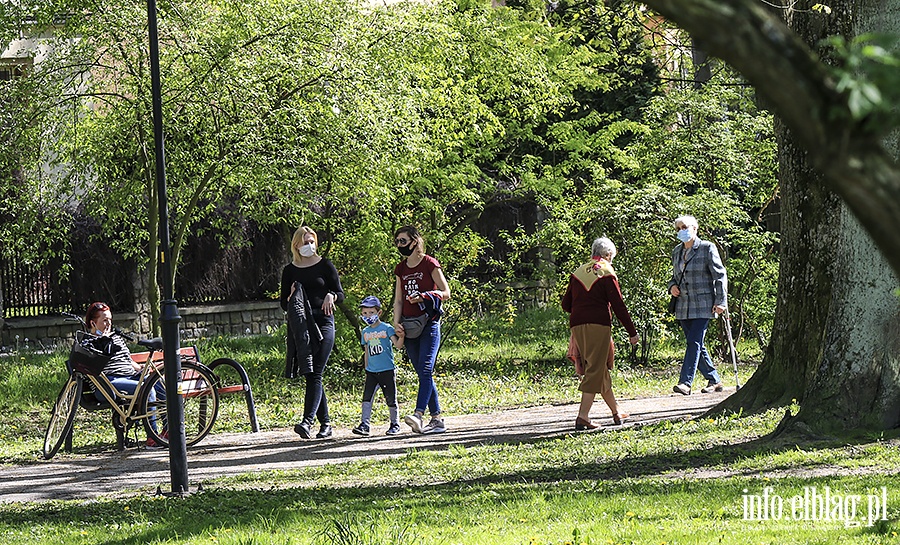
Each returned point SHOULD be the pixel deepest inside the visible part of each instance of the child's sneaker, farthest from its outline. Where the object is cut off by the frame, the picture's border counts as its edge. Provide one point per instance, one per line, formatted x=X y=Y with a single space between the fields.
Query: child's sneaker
x=435 y=426
x=393 y=430
x=362 y=429
x=414 y=421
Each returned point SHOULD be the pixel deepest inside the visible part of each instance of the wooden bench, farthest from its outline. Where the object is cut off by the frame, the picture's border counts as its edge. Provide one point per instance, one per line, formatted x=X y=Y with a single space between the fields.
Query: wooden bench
x=187 y=353
x=90 y=402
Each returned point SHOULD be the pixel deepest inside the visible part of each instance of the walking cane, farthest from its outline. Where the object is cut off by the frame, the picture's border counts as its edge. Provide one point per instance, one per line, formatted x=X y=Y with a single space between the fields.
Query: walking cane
x=727 y=319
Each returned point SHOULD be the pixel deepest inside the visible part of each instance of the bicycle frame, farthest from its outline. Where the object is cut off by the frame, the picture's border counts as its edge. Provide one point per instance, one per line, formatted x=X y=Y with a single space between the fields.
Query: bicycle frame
x=126 y=411
x=197 y=389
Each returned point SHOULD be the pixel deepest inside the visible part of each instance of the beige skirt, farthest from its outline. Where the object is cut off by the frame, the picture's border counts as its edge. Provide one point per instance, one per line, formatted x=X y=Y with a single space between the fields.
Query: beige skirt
x=593 y=342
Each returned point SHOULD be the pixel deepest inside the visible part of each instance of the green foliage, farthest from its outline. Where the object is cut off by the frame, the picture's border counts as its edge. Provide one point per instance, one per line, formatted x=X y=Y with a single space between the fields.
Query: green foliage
x=710 y=153
x=32 y=222
x=357 y=121
x=867 y=75
x=365 y=529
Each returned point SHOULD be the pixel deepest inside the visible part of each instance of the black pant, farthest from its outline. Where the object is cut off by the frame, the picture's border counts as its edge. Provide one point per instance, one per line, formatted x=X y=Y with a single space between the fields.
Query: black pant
x=388 y=384
x=314 y=403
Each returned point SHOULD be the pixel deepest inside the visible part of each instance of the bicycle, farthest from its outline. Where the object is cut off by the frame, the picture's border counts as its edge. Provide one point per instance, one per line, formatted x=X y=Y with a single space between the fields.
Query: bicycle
x=147 y=405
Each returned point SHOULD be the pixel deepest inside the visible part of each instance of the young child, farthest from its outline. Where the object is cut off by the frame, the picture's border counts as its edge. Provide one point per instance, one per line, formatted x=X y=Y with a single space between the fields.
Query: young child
x=377 y=339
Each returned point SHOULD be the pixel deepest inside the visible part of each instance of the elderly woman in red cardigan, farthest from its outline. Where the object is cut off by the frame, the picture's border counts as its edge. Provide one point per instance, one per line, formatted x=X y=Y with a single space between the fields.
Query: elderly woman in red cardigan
x=592 y=293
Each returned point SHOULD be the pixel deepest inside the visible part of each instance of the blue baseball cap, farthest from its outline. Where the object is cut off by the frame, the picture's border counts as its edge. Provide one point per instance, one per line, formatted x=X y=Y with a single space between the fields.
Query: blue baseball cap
x=371 y=301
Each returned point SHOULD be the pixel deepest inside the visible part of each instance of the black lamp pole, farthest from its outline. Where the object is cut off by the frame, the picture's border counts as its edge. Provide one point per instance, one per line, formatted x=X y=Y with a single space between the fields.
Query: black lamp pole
x=169 y=316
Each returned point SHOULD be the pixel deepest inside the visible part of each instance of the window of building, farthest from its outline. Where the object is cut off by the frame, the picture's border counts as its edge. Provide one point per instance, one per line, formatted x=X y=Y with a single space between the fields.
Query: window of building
x=13 y=68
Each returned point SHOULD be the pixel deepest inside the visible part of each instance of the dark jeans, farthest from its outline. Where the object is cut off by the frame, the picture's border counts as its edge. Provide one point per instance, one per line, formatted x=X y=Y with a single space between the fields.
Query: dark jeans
x=696 y=356
x=314 y=403
x=422 y=352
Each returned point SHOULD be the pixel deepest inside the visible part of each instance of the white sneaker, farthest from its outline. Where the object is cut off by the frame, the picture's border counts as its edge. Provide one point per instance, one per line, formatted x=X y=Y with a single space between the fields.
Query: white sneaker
x=414 y=421
x=435 y=426
x=712 y=387
x=683 y=389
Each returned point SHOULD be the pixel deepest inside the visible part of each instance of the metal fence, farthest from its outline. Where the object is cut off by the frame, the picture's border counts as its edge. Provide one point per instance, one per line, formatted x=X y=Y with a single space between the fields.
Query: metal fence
x=90 y=274
x=208 y=274
x=32 y=290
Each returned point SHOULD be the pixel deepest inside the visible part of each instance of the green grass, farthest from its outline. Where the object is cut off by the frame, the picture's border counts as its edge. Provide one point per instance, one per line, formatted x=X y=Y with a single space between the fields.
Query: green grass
x=597 y=488
x=667 y=483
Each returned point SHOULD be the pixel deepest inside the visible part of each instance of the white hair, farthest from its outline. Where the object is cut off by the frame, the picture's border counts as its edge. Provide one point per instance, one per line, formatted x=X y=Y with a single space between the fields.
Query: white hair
x=603 y=247
x=687 y=221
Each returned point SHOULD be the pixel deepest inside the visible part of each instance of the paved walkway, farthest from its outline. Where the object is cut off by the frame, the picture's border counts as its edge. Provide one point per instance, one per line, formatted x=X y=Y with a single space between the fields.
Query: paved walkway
x=135 y=471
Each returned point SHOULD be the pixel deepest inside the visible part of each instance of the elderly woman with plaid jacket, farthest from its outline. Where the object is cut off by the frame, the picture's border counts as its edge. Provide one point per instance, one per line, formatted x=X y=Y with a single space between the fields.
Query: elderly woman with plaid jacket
x=700 y=286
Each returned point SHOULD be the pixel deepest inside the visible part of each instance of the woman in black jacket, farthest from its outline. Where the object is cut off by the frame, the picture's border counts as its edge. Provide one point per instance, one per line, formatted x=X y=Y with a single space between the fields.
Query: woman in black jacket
x=321 y=293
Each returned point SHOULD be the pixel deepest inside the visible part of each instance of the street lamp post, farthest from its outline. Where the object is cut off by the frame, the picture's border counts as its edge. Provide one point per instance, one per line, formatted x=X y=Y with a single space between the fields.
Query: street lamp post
x=169 y=314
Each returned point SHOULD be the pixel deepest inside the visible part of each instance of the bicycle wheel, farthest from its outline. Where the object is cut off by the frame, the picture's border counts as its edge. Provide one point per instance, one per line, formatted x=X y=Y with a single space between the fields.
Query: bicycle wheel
x=199 y=399
x=63 y=415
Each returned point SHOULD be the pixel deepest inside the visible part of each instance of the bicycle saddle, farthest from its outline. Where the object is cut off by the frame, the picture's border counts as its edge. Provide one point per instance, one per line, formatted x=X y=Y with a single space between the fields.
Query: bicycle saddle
x=155 y=343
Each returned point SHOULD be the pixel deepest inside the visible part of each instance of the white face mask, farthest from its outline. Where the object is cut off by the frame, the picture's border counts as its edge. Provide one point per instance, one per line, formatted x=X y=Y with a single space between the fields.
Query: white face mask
x=308 y=250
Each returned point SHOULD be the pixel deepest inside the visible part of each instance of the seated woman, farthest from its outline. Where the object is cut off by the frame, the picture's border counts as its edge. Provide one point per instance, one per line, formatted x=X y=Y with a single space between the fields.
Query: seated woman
x=123 y=373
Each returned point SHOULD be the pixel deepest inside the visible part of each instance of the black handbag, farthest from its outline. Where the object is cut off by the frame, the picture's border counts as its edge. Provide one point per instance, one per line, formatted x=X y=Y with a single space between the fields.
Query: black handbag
x=672 y=302
x=412 y=327
x=90 y=354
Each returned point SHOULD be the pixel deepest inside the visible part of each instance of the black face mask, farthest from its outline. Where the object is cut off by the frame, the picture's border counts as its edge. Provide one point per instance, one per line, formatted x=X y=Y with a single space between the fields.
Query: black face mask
x=407 y=250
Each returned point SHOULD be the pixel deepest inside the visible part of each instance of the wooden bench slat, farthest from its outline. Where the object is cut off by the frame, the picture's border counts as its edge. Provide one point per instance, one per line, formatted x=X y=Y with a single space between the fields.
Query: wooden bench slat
x=231 y=389
x=187 y=352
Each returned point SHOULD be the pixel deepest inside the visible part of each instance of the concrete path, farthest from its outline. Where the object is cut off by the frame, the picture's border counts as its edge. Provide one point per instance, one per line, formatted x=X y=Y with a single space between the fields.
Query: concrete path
x=136 y=470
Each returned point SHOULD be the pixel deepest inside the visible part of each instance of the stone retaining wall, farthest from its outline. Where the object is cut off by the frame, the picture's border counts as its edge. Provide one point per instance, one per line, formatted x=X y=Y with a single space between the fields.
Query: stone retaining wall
x=236 y=319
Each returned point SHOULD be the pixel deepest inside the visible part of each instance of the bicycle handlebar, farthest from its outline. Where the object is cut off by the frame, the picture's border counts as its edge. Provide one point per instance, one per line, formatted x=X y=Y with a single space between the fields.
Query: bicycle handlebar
x=73 y=318
x=122 y=334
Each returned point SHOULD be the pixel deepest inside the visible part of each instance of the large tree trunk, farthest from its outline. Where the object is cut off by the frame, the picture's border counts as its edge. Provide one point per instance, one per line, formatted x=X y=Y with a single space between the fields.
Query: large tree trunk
x=808 y=238
x=807 y=251
x=837 y=327
x=858 y=380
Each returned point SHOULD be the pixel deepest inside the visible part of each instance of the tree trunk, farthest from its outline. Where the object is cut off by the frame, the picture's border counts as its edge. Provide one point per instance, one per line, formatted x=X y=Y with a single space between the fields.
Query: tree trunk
x=837 y=326
x=804 y=285
x=808 y=237
x=858 y=380
x=153 y=295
